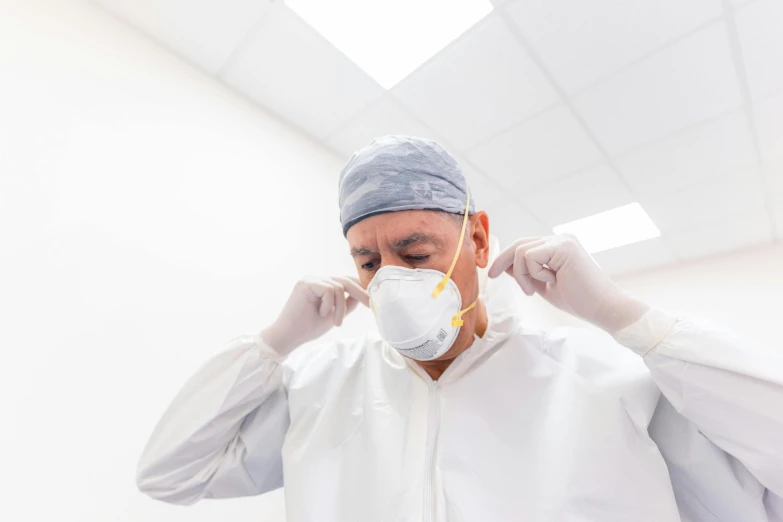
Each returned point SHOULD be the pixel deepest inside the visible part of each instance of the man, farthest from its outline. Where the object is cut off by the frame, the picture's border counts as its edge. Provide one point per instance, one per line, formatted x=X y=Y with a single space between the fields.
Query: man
x=459 y=413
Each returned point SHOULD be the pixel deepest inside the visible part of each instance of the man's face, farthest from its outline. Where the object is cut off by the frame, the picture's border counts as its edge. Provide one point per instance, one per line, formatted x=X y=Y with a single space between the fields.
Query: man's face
x=422 y=239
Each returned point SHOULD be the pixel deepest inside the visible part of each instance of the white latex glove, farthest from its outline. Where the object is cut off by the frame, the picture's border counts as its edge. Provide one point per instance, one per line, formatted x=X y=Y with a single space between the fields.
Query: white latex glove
x=563 y=273
x=314 y=306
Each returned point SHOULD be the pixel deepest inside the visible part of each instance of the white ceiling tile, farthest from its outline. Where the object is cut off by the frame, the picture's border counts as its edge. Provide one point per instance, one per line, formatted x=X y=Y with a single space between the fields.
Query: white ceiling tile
x=480 y=85
x=583 y=41
x=695 y=155
x=635 y=257
x=769 y=123
x=589 y=192
x=290 y=69
x=729 y=195
x=507 y=219
x=204 y=31
x=726 y=235
x=682 y=84
x=761 y=37
x=379 y=119
x=549 y=145
x=509 y=222
x=484 y=191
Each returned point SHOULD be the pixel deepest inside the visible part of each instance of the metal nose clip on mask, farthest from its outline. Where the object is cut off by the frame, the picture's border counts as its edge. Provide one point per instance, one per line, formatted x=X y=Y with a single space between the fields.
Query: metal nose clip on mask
x=418 y=311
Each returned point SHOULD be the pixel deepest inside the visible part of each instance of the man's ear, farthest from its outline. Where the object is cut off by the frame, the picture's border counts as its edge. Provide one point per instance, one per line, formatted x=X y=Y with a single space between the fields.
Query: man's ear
x=479 y=235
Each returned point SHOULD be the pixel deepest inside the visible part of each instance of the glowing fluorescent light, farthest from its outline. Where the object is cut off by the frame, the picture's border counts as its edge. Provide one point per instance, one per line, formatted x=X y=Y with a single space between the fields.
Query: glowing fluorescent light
x=388 y=40
x=611 y=229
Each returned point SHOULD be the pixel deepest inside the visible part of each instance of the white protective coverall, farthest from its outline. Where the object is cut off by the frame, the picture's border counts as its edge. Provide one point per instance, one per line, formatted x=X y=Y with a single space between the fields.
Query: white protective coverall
x=564 y=425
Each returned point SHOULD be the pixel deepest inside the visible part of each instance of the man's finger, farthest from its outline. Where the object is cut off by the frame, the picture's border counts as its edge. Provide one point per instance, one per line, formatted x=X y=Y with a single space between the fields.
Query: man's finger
x=506 y=258
x=354 y=279
x=327 y=301
x=519 y=254
x=519 y=271
x=536 y=258
x=541 y=288
x=339 y=304
x=354 y=289
x=350 y=304
x=503 y=262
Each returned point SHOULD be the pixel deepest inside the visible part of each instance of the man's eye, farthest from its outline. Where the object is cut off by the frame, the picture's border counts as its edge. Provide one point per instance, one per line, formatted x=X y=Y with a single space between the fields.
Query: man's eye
x=369 y=265
x=418 y=259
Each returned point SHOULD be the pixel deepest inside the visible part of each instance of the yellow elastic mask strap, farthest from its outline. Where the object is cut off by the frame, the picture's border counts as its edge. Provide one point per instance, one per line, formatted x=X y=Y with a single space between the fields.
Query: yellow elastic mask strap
x=457 y=319
x=445 y=280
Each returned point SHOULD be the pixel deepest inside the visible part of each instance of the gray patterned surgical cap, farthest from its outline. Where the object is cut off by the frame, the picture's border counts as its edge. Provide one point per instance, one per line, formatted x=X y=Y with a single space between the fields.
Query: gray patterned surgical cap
x=400 y=173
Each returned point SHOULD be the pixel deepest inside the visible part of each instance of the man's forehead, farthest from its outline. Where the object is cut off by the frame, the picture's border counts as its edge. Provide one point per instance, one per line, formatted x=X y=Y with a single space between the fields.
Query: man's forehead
x=397 y=232
x=414 y=238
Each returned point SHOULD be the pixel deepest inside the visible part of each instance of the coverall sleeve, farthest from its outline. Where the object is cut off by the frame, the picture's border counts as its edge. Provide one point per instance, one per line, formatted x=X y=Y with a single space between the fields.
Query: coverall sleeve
x=731 y=390
x=223 y=433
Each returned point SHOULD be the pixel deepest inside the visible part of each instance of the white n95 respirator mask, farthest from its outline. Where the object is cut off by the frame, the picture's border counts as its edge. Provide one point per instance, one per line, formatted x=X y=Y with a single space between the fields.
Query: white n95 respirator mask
x=418 y=311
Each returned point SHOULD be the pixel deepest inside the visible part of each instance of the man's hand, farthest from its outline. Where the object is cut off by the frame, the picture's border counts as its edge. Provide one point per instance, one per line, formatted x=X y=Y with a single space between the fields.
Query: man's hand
x=563 y=273
x=314 y=306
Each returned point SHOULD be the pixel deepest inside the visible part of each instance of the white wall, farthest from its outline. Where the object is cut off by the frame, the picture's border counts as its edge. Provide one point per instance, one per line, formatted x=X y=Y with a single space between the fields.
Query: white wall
x=743 y=291
x=145 y=218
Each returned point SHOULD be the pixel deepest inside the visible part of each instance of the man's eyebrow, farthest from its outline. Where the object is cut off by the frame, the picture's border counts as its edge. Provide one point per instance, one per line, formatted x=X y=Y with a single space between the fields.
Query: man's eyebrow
x=414 y=238
x=361 y=252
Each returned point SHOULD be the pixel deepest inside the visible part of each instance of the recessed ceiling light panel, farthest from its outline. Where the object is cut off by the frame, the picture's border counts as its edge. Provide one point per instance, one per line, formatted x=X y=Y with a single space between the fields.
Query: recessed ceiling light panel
x=390 y=39
x=611 y=229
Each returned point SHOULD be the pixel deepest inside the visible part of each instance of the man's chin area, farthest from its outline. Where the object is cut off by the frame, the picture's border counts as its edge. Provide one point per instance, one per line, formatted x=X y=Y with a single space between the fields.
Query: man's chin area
x=447 y=358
